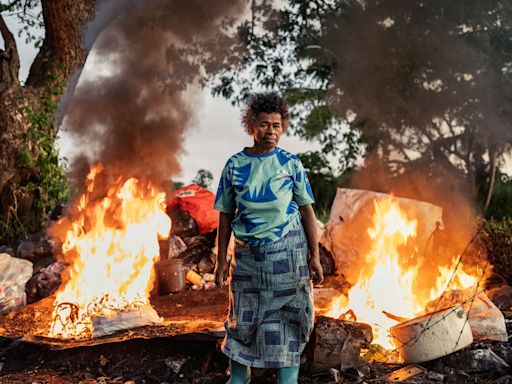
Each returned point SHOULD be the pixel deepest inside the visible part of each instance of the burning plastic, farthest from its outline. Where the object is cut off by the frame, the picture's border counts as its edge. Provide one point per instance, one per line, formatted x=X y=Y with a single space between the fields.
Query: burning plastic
x=111 y=244
x=395 y=276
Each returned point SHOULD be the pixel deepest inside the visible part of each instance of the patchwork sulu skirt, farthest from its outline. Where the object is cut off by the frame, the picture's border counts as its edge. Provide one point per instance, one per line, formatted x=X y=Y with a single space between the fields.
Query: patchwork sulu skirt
x=271 y=309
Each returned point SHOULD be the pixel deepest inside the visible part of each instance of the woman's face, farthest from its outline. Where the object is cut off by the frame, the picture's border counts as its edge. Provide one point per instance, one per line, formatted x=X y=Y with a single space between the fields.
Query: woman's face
x=267 y=130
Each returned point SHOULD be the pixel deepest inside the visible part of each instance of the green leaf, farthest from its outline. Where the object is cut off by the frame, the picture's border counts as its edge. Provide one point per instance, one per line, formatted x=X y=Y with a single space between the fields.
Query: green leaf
x=296 y=96
x=318 y=121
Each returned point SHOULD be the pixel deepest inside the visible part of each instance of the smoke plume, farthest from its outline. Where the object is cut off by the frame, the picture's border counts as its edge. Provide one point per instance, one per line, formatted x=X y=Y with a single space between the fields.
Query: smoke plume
x=133 y=119
x=427 y=93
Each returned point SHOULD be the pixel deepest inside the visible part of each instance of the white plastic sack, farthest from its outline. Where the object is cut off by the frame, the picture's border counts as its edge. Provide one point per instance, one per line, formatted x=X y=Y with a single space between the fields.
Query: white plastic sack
x=14 y=274
x=486 y=320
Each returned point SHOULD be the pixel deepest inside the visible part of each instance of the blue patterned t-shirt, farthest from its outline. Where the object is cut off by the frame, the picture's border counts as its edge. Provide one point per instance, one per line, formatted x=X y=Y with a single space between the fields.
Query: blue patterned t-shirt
x=265 y=192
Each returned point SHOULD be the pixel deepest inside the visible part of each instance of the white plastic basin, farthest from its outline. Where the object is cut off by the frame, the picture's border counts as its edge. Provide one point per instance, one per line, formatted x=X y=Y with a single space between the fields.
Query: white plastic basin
x=432 y=335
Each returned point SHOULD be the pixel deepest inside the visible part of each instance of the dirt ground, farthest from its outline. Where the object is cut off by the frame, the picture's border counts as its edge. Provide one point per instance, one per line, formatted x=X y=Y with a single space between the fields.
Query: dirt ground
x=170 y=360
x=173 y=354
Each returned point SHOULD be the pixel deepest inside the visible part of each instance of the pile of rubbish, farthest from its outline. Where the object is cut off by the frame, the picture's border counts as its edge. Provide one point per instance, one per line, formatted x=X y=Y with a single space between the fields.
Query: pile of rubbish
x=187 y=258
x=462 y=336
x=29 y=273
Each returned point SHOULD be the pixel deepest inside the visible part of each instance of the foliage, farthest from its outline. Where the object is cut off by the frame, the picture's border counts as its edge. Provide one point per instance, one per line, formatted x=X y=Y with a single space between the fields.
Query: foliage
x=323 y=180
x=38 y=156
x=497 y=236
x=29 y=15
x=501 y=202
x=417 y=82
x=203 y=178
x=177 y=185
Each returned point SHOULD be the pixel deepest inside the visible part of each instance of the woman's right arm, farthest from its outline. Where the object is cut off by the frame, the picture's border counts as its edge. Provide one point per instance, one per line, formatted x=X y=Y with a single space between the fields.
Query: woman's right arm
x=221 y=268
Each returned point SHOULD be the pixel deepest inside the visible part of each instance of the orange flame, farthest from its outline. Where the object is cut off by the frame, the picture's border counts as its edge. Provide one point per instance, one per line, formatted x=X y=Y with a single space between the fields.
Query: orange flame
x=386 y=282
x=112 y=244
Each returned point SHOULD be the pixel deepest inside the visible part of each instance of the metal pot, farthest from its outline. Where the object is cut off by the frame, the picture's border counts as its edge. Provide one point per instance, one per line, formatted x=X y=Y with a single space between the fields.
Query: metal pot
x=171 y=274
x=432 y=335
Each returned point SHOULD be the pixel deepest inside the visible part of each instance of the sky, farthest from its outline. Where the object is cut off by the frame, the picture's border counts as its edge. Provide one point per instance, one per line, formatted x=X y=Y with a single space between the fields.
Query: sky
x=216 y=134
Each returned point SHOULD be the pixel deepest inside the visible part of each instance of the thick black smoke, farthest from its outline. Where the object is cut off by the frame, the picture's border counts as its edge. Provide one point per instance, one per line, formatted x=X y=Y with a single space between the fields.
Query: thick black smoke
x=133 y=121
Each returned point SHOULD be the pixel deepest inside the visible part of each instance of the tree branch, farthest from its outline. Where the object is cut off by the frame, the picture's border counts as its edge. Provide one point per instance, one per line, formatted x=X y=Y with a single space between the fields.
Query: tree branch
x=449 y=124
x=253 y=18
x=446 y=144
x=9 y=59
x=492 y=178
x=8 y=7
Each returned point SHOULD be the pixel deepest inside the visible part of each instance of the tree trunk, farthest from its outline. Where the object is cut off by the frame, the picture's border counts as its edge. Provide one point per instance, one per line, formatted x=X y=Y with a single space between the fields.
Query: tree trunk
x=62 y=51
x=60 y=55
x=492 y=178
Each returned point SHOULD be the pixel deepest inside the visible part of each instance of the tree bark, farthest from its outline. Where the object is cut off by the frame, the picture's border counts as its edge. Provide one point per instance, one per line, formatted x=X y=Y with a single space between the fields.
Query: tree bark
x=59 y=56
x=9 y=59
x=492 y=178
x=62 y=50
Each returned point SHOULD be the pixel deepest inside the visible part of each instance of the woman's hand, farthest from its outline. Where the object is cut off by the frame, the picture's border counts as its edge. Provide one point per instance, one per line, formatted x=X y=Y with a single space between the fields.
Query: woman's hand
x=315 y=269
x=221 y=269
x=309 y=222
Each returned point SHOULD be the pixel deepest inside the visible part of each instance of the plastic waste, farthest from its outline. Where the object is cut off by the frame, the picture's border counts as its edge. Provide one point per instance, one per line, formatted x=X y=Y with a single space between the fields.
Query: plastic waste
x=14 y=274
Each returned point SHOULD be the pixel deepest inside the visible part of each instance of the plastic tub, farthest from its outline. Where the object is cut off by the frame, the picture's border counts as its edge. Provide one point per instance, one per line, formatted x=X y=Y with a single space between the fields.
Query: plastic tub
x=433 y=335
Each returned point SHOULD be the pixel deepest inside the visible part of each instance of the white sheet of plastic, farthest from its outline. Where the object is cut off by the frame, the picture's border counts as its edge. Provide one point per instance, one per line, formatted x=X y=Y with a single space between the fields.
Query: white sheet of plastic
x=14 y=274
x=125 y=320
x=346 y=232
x=486 y=320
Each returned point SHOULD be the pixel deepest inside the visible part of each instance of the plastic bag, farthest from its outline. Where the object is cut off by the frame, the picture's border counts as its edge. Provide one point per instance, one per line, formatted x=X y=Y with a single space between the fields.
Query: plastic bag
x=198 y=202
x=14 y=274
x=44 y=281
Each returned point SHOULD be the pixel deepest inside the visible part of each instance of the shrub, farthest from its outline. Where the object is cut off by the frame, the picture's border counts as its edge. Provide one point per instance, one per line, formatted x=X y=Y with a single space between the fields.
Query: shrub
x=497 y=238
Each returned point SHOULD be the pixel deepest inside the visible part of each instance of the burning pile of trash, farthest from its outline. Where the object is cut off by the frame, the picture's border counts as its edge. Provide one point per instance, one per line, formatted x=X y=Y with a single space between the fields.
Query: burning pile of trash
x=418 y=291
x=191 y=246
x=105 y=255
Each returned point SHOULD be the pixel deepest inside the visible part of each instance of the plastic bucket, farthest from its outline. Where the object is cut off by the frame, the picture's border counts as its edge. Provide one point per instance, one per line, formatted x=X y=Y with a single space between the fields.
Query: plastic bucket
x=171 y=275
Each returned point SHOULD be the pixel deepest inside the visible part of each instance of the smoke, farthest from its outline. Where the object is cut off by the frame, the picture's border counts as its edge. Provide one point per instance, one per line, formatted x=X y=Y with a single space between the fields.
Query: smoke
x=401 y=63
x=132 y=114
x=422 y=82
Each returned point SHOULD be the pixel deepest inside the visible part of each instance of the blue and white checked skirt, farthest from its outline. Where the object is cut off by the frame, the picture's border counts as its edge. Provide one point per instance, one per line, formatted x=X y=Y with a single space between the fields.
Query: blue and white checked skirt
x=270 y=303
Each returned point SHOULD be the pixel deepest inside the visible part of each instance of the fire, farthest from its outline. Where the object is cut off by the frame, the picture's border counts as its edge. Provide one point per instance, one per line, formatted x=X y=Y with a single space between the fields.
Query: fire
x=386 y=282
x=111 y=244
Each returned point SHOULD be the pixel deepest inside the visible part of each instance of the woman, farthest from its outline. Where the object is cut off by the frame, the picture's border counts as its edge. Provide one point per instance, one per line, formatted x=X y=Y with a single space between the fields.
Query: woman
x=264 y=197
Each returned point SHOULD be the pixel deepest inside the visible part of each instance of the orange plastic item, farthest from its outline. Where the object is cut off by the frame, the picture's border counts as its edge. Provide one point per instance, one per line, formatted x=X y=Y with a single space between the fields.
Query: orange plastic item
x=194 y=277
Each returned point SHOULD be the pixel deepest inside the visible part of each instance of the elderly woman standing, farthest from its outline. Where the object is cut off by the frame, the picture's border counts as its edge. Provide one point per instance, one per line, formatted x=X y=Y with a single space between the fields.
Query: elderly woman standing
x=265 y=198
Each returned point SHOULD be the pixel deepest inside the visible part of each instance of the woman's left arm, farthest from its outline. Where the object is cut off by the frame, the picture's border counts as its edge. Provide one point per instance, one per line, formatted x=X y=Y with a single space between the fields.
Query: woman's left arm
x=309 y=224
